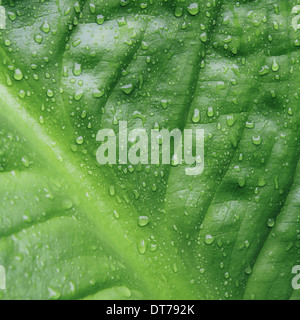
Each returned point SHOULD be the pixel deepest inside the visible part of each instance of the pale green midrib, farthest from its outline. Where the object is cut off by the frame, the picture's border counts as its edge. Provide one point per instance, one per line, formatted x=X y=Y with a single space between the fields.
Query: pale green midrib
x=123 y=250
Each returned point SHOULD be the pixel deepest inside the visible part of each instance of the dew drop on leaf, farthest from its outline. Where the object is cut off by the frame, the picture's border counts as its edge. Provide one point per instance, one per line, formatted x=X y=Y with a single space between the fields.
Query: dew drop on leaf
x=100 y=19
x=45 y=27
x=77 y=69
x=275 y=66
x=67 y=204
x=92 y=8
x=271 y=223
x=230 y=120
x=210 y=112
x=112 y=191
x=12 y=16
x=193 y=9
x=18 y=75
x=209 y=239
x=54 y=294
x=178 y=12
x=196 y=116
x=142 y=247
x=38 y=38
x=248 y=270
x=164 y=103
x=79 y=140
x=98 y=93
x=127 y=88
x=257 y=140
x=50 y=93
x=143 y=221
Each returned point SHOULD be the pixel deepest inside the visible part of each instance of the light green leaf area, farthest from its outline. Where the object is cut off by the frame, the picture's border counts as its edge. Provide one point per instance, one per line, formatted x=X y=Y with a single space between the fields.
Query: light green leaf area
x=70 y=228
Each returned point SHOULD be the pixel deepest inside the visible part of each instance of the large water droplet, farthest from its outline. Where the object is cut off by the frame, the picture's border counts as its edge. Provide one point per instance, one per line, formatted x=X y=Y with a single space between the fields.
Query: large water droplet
x=196 y=116
x=100 y=19
x=271 y=223
x=45 y=27
x=142 y=247
x=18 y=75
x=209 y=239
x=128 y=88
x=210 y=112
x=77 y=69
x=257 y=140
x=79 y=140
x=193 y=9
x=143 y=221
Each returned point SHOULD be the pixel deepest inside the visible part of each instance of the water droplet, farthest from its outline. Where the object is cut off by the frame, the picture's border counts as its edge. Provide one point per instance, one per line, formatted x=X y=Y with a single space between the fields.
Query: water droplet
x=204 y=37
x=7 y=42
x=45 y=27
x=289 y=246
x=79 y=140
x=143 y=5
x=77 y=69
x=112 y=191
x=210 y=112
x=250 y=125
x=124 y=3
x=209 y=239
x=257 y=140
x=142 y=247
x=164 y=103
x=38 y=38
x=18 y=75
x=78 y=95
x=54 y=294
x=178 y=12
x=100 y=19
x=83 y=114
x=50 y=93
x=275 y=66
x=262 y=182
x=230 y=120
x=127 y=88
x=153 y=247
x=193 y=9
x=92 y=8
x=25 y=162
x=242 y=182
x=76 y=43
x=264 y=70
x=271 y=223
x=122 y=22
x=27 y=218
x=196 y=116
x=143 y=221
x=276 y=25
x=175 y=269
x=248 y=270
x=12 y=16
x=175 y=160
x=77 y=7
x=67 y=204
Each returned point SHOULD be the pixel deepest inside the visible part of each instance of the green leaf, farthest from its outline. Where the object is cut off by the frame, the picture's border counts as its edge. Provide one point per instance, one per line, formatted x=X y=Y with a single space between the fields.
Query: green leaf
x=73 y=229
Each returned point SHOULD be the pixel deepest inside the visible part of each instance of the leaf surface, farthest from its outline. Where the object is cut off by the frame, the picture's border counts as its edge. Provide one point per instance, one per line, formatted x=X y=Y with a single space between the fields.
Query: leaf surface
x=69 y=228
